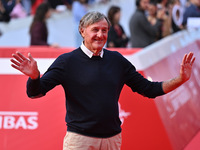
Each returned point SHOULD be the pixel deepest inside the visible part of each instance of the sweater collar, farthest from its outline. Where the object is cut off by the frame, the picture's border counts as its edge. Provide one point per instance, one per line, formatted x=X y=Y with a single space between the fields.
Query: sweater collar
x=88 y=52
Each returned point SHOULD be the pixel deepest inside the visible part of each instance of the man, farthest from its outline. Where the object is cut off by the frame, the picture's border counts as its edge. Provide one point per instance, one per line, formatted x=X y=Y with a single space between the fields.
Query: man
x=92 y=78
x=142 y=32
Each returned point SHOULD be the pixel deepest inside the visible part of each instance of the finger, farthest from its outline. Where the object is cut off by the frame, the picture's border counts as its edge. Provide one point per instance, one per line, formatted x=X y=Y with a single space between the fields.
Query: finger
x=17 y=58
x=16 y=67
x=30 y=57
x=15 y=62
x=21 y=56
x=193 y=61
x=189 y=57
x=184 y=59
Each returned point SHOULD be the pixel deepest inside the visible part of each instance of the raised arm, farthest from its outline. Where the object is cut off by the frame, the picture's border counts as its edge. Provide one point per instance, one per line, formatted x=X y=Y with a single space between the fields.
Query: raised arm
x=27 y=66
x=185 y=73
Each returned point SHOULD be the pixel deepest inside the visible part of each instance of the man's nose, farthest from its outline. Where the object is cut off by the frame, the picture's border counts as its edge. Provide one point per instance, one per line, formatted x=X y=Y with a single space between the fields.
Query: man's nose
x=100 y=34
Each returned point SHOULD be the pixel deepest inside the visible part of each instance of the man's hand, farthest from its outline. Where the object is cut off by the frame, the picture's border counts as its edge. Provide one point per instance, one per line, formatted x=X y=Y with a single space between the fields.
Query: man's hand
x=185 y=73
x=186 y=66
x=27 y=66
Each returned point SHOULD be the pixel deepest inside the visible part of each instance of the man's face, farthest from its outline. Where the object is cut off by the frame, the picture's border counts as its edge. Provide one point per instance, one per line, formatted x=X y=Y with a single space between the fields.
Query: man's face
x=95 y=35
x=144 y=4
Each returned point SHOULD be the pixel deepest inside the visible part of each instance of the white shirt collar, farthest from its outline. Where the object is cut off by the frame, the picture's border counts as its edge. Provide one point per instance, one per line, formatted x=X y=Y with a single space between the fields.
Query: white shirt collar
x=88 y=52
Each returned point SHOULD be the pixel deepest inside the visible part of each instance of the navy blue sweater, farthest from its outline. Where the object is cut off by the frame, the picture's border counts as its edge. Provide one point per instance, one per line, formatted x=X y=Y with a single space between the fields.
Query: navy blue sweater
x=92 y=88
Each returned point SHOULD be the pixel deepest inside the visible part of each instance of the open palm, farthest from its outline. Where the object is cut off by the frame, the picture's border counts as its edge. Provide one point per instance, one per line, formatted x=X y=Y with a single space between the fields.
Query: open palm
x=186 y=66
x=27 y=66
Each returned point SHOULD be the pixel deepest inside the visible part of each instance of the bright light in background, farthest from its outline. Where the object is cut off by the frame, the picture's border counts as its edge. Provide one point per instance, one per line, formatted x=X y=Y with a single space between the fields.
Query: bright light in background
x=149 y=78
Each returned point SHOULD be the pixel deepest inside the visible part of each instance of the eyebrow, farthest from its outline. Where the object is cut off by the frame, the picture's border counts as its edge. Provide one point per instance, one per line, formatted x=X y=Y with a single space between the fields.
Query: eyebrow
x=99 y=27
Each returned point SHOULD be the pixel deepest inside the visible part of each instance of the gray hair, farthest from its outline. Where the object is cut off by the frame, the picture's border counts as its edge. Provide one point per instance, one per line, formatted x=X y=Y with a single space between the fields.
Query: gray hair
x=91 y=18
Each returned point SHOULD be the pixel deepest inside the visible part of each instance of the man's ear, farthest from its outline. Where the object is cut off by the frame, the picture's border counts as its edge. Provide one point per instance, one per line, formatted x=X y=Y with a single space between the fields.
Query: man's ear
x=82 y=32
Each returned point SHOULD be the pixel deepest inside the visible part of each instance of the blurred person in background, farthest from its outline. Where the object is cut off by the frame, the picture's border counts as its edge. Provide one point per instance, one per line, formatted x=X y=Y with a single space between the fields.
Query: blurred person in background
x=166 y=7
x=193 y=10
x=177 y=16
x=1 y=33
x=152 y=17
x=55 y=3
x=152 y=12
x=34 y=5
x=6 y=7
x=18 y=10
x=153 y=9
x=98 y=1
x=116 y=35
x=68 y=4
x=161 y=4
x=143 y=33
x=27 y=6
x=79 y=9
x=38 y=28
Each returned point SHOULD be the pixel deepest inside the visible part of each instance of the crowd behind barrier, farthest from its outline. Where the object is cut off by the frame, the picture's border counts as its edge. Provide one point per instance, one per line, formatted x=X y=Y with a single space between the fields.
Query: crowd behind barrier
x=10 y=9
x=175 y=16
x=59 y=25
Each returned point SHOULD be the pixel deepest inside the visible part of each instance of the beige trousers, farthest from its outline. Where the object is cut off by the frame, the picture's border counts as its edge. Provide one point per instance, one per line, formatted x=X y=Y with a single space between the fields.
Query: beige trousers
x=74 y=141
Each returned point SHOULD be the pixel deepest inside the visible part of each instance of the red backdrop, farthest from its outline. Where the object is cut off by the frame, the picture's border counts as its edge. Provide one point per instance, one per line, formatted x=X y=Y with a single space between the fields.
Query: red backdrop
x=39 y=124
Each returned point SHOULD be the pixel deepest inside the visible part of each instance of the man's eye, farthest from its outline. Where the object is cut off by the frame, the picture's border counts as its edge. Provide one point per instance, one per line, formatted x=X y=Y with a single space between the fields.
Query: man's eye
x=95 y=29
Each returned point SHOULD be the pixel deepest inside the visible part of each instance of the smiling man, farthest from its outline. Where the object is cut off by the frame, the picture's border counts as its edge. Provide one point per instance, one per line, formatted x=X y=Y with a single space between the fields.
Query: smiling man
x=94 y=32
x=92 y=78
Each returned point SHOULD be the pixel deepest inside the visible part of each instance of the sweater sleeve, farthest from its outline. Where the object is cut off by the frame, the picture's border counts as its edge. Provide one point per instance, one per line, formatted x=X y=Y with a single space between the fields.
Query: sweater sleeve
x=140 y=84
x=52 y=77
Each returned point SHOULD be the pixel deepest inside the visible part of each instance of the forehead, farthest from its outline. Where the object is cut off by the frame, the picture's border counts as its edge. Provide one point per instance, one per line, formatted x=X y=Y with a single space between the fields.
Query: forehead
x=102 y=23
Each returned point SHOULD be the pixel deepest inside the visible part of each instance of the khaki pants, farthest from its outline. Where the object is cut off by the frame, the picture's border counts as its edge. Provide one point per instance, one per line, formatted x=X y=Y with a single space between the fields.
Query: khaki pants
x=74 y=141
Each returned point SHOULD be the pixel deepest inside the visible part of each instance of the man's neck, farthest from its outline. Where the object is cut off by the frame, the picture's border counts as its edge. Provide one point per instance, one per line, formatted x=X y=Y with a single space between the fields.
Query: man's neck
x=96 y=52
x=91 y=53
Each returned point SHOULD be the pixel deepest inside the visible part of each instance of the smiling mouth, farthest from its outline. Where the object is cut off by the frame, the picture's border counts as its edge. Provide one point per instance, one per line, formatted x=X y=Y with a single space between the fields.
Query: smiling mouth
x=99 y=40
